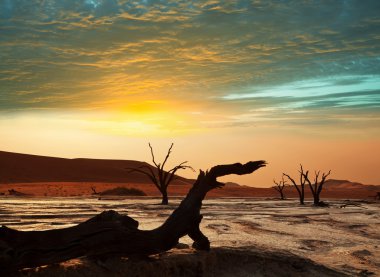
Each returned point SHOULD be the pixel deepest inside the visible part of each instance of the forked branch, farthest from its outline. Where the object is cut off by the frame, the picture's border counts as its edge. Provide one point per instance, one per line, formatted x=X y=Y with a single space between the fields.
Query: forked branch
x=111 y=233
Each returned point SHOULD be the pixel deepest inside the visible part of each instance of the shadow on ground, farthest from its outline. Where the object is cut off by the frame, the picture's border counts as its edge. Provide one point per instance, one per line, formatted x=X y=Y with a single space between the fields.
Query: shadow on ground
x=186 y=262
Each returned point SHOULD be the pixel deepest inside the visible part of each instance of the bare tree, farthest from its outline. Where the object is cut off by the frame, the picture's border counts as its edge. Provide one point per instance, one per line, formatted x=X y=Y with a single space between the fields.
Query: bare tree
x=279 y=186
x=316 y=188
x=301 y=187
x=161 y=178
x=94 y=192
x=111 y=233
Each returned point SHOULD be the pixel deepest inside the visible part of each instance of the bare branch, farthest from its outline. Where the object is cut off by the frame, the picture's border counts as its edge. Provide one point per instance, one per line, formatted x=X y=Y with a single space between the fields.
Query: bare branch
x=323 y=180
x=110 y=233
x=283 y=180
x=316 y=176
x=291 y=179
x=238 y=168
x=300 y=190
x=151 y=152
x=325 y=175
x=167 y=155
x=150 y=174
x=162 y=178
x=276 y=188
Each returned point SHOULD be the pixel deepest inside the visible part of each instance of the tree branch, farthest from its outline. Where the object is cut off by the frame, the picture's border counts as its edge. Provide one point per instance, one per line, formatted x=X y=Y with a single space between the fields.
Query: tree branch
x=153 y=160
x=167 y=155
x=149 y=174
x=112 y=233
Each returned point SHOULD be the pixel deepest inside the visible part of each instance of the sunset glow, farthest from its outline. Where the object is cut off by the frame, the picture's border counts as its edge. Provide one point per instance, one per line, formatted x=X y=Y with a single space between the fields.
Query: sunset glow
x=226 y=81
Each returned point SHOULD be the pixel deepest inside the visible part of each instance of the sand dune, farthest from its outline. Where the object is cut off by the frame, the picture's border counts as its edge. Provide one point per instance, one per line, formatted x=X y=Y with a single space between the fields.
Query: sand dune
x=23 y=168
x=64 y=189
x=49 y=176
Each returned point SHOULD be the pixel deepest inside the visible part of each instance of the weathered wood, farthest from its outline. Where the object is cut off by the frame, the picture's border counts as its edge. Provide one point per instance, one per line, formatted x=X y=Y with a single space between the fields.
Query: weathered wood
x=110 y=233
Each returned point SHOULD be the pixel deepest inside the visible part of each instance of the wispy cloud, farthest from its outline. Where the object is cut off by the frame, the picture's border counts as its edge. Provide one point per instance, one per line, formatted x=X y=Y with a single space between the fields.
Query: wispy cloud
x=313 y=88
x=229 y=62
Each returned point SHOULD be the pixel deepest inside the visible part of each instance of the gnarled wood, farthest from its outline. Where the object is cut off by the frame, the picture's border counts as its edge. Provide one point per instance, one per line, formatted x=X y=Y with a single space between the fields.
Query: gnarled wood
x=110 y=233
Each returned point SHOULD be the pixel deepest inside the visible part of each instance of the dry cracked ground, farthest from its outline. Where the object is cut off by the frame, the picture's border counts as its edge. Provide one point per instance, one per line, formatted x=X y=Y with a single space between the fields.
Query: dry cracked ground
x=250 y=237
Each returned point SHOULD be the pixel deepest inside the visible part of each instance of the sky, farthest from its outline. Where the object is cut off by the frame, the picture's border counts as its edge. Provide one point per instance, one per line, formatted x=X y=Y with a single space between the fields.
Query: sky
x=288 y=82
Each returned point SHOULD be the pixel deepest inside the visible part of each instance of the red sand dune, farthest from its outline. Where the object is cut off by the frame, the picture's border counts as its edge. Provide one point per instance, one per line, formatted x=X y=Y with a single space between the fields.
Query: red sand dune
x=23 y=168
x=48 y=176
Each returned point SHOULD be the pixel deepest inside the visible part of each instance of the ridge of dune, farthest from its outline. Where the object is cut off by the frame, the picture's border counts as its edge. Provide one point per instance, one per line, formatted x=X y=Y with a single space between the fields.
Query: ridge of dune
x=26 y=168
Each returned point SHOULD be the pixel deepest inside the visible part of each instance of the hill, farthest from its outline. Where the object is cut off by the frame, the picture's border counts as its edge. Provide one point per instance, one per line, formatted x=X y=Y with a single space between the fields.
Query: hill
x=332 y=184
x=339 y=189
x=63 y=177
x=25 y=168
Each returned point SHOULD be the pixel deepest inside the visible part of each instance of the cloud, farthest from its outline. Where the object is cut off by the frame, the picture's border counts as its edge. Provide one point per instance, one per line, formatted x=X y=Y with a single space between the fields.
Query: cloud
x=314 y=87
x=223 y=58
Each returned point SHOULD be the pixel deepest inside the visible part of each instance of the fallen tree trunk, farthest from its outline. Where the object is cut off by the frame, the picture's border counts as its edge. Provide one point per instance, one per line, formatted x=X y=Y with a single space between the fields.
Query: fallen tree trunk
x=110 y=233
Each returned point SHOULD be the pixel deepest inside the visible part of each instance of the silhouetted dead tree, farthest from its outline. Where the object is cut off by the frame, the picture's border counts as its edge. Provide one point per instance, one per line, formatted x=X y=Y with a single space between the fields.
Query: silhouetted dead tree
x=279 y=186
x=110 y=233
x=316 y=188
x=301 y=187
x=94 y=192
x=161 y=178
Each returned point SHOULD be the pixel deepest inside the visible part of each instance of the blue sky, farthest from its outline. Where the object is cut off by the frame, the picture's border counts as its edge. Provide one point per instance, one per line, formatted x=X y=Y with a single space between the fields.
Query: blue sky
x=149 y=70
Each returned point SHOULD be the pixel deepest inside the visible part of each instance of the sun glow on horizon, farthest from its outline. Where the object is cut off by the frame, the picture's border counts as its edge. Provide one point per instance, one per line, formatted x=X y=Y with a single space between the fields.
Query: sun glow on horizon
x=226 y=81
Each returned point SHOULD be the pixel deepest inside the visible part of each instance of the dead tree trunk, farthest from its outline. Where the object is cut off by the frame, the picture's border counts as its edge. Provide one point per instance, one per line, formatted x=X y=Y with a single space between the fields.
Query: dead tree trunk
x=280 y=187
x=301 y=188
x=377 y=196
x=110 y=233
x=161 y=178
x=316 y=188
x=165 y=199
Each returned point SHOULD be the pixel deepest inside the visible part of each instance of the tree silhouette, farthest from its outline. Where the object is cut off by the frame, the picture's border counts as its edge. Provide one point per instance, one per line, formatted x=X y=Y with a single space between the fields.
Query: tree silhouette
x=316 y=188
x=94 y=192
x=112 y=234
x=301 y=187
x=161 y=178
x=280 y=187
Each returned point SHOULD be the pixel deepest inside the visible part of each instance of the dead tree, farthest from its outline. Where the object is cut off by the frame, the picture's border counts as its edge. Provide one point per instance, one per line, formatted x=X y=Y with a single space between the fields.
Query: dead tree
x=301 y=187
x=94 y=192
x=279 y=186
x=316 y=188
x=110 y=233
x=161 y=178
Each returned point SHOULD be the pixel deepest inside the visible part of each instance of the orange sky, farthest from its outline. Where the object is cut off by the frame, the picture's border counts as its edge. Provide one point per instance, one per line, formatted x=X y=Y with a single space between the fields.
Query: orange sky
x=226 y=81
x=350 y=155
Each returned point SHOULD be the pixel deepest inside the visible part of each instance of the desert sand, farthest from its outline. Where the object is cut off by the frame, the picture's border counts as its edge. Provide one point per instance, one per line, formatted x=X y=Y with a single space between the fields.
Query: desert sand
x=252 y=233
x=249 y=237
x=63 y=189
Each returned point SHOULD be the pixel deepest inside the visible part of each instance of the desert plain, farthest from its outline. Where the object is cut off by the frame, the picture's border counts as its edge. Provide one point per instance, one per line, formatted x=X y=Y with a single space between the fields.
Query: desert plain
x=252 y=232
x=249 y=236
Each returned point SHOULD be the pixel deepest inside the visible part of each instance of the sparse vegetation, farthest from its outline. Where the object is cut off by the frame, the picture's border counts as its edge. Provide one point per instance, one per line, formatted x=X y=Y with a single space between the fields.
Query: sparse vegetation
x=111 y=233
x=161 y=178
x=301 y=187
x=316 y=188
x=123 y=191
x=279 y=186
x=94 y=192
x=17 y=193
x=377 y=196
